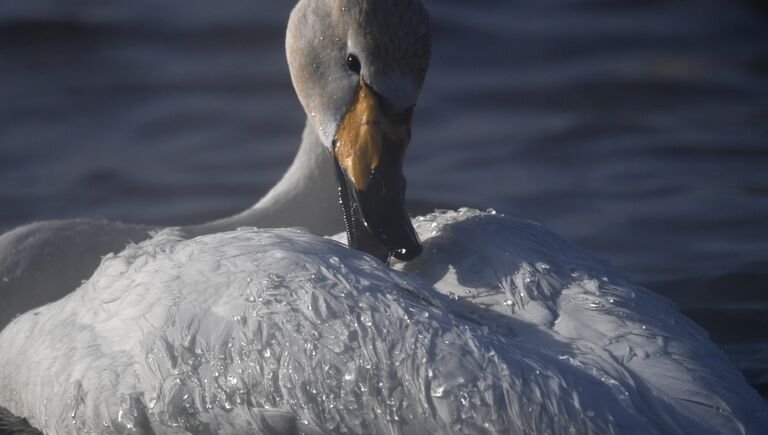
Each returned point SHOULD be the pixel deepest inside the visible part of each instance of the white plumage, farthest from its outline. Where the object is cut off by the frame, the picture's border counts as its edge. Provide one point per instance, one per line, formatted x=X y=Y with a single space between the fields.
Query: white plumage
x=500 y=327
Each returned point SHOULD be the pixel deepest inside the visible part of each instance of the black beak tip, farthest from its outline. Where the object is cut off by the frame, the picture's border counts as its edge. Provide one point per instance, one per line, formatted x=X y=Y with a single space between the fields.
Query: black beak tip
x=409 y=253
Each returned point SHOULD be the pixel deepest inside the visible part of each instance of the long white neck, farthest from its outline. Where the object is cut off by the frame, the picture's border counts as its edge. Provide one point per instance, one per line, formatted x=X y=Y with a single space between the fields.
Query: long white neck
x=307 y=196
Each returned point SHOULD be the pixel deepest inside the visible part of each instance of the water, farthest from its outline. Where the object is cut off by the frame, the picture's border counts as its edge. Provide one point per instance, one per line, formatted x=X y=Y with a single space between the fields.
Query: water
x=636 y=128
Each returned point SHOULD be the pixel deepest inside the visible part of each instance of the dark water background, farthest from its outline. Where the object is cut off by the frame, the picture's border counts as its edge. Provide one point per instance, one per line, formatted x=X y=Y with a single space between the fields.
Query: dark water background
x=637 y=128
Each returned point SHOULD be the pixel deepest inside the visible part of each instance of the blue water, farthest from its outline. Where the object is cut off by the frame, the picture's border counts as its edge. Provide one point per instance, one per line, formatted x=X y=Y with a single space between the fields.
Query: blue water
x=637 y=128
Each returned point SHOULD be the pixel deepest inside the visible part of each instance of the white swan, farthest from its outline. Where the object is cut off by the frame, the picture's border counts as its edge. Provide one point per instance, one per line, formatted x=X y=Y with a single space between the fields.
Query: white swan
x=501 y=327
x=358 y=81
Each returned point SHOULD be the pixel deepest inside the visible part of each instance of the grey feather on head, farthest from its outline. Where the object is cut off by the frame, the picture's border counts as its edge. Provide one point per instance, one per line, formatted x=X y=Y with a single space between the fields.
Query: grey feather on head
x=391 y=38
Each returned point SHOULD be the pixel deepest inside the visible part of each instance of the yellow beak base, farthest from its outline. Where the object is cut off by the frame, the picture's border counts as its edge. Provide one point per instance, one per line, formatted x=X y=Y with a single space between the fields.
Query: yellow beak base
x=360 y=140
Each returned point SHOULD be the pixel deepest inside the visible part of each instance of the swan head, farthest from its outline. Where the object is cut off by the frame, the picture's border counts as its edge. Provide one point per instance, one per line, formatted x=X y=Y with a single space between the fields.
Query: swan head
x=358 y=67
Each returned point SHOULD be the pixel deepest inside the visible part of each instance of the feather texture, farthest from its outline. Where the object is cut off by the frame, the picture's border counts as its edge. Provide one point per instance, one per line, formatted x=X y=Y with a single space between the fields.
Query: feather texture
x=501 y=327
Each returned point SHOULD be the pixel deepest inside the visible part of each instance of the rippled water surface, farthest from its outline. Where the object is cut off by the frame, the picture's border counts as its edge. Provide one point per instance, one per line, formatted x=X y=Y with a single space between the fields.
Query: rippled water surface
x=637 y=128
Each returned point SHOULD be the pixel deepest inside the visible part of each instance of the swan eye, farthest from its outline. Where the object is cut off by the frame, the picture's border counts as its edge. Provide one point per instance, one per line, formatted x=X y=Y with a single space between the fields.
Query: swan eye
x=353 y=63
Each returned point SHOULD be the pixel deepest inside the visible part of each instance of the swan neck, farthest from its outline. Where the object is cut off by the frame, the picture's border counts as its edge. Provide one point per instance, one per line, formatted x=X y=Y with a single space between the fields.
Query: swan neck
x=306 y=196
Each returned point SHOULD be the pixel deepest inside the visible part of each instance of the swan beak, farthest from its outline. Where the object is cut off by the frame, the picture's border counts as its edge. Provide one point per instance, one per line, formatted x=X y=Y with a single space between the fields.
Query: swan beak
x=369 y=148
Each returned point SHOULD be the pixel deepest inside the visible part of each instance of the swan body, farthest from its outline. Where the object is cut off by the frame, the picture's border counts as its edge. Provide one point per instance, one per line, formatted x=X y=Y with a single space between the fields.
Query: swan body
x=500 y=327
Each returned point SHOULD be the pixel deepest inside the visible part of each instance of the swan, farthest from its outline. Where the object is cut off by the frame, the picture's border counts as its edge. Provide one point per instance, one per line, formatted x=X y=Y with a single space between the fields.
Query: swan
x=358 y=82
x=244 y=326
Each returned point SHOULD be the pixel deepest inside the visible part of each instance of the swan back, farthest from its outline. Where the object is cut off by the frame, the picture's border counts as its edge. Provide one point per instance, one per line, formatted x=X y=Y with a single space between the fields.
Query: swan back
x=214 y=333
